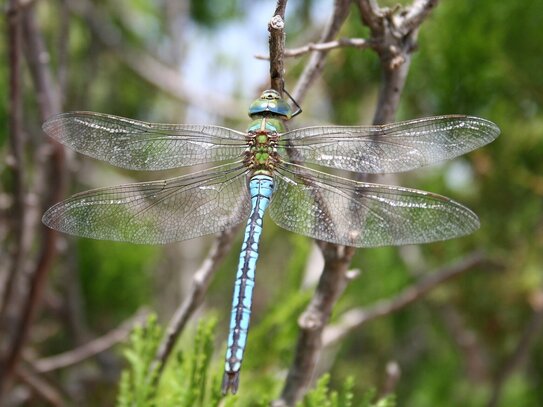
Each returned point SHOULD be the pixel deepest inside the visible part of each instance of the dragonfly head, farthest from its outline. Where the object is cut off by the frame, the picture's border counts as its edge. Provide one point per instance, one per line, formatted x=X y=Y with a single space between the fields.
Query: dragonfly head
x=270 y=102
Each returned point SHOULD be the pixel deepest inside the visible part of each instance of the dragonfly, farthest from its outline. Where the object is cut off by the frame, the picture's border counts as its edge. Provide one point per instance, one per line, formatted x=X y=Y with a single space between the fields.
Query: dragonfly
x=264 y=167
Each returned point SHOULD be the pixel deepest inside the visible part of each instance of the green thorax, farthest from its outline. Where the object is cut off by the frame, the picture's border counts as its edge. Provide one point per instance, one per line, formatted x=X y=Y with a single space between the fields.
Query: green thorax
x=269 y=113
x=262 y=136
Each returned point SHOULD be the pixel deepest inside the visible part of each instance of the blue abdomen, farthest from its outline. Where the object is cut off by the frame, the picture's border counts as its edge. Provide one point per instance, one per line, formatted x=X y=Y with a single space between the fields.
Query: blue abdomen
x=261 y=188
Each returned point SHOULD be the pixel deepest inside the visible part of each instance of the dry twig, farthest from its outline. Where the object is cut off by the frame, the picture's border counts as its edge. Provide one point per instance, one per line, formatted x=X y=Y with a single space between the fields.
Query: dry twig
x=394 y=33
x=276 y=27
x=355 y=318
x=200 y=283
x=152 y=70
x=31 y=283
x=525 y=342
x=16 y=138
x=313 y=321
x=394 y=52
x=40 y=386
x=393 y=374
x=360 y=43
x=91 y=348
x=314 y=67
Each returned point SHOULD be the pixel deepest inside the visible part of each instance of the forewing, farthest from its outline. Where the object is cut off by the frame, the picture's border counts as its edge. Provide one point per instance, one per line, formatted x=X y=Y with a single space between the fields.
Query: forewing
x=360 y=214
x=157 y=212
x=389 y=148
x=138 y=145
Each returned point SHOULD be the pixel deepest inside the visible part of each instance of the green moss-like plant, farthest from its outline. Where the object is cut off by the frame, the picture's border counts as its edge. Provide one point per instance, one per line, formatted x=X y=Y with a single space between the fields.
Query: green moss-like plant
x=137 y=386
x=185 y=381
x=190 y=379
x=323 y=396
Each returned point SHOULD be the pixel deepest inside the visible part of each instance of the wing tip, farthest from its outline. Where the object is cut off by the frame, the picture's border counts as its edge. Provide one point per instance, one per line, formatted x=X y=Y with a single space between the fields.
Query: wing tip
x=50 y=218
x=486 y=126
x=56 y=121
x=50 y=124
x=492 y=130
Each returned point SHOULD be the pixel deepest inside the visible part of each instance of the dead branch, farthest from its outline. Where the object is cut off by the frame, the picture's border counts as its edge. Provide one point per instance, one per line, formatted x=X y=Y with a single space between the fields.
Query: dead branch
x=32 y=282
x=394 y=53
x=91 y=348
x=40 y=386
x=200 y=283
x=393 y=374
x=360 y=43
x=394 y=33
x=276 y=27
x=16 y=137
x=313 y=320
x=519 y=355
x=472 y=352
x=149 y=68
x=355 y=318
x=316 y=62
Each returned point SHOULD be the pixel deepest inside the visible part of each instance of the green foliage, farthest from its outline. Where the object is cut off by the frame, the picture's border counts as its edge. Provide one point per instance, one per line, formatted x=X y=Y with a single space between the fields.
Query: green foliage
x=211 y=13
x=116 y=277
x=279 y=319
x=186 y=381
x=323 y=396
x=136 y=386
x=190 y=379
x=279 y=322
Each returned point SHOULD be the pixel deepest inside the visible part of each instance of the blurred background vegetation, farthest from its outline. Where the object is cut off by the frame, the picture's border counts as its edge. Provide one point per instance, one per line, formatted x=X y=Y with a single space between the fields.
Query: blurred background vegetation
x=475 y=336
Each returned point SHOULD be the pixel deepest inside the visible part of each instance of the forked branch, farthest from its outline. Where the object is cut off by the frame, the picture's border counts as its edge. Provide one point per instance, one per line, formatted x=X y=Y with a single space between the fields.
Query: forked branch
x=394 y=52
x=355 y=318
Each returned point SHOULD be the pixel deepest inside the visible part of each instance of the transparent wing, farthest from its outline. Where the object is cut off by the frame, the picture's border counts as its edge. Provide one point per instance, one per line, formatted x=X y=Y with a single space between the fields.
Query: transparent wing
x=360 y=214
x=138 y=145
x=389 y=148
x=157 y=212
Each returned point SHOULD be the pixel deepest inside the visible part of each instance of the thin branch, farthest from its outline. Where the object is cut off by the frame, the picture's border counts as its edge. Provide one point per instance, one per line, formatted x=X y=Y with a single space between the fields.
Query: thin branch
x=337 y=258
x=416 y=14
x=312 y=322
x=360 y=43
x=472 y=352
x=38 y=62
x=200 y=284
x=393 y=374
x=316 y=62
x=176 y=14
x=63 y=51
x=394 y=53
x=16 y=138
x=355 y=318
x=276 y=27
x=91 y=348
x=395 y=35
x=40 y=386
x=152 y=70
x=525 y=343
x=23 y=4
x=372 y=15
x=33 y=282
